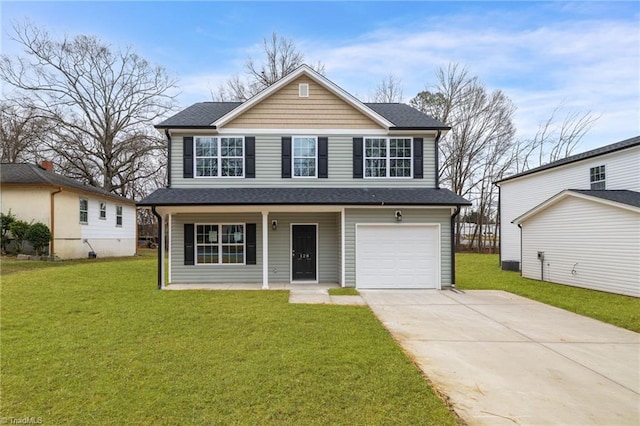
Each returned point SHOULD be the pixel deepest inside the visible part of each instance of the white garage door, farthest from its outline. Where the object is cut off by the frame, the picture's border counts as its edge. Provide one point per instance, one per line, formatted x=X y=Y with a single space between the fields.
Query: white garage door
x=397 y=256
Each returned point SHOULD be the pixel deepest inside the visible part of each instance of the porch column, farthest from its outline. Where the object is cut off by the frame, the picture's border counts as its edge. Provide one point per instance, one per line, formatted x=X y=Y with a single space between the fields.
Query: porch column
x=342 y=248
x=265 y=250
x=169 y=249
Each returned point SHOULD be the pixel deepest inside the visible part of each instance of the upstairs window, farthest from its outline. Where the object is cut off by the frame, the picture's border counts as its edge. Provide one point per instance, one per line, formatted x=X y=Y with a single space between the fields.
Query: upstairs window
x=387 y=157
x=84 y=211
x=219 y=156
x=305 y=156
x=597 y=177
x=103 y=211
x=118 y=215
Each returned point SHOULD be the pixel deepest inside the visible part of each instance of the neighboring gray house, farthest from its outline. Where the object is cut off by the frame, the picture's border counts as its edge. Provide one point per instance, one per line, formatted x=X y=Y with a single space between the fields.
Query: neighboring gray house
x=576 y=221
x=303 y=183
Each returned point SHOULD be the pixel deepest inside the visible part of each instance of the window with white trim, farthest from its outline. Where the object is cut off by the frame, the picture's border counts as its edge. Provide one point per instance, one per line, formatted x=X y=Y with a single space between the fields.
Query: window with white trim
x=305 y=156
x=220 y=244
x=103 y=211
x=118 y=215
x=597 y=177
x=219 y=156
x=84 y=211
x=388 y=157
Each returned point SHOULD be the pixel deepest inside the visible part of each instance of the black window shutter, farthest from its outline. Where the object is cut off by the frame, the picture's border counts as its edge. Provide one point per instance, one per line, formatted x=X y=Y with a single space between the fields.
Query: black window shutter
x=418 y=172
x=357 y=158
x=187 y=155
x=250 y=238
x=323 y=157
x=286 y=156
x=189 y=249
x=250 y=157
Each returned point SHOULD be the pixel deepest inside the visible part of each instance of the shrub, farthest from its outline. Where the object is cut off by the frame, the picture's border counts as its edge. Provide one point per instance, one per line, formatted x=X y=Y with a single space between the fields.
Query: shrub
x=19 y=229
x=5 y=223
x=39 y=236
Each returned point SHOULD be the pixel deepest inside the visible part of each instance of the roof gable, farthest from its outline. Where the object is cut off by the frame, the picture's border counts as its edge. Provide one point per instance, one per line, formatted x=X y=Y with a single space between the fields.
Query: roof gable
x=285 y=109
x=624 y=199
x=322 y=84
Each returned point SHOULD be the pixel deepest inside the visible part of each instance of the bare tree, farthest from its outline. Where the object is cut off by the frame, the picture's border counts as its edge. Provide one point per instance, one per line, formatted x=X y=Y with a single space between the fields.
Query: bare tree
x=481 y=135
x=102 y=102
x=389 y=90
x=555 y=139
x=22 y=132
x=281 y=57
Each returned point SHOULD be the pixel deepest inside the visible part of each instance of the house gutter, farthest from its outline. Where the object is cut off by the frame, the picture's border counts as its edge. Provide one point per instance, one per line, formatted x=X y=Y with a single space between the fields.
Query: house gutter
x=168 y=135
x=499 y=223
x=52 y=215
x=437 y=157
x=453 y=246
x=160 y=277
x=520 y=226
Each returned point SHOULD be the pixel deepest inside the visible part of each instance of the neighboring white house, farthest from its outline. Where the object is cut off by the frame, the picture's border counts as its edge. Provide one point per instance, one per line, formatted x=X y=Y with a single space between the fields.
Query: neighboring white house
x=582 y=214
x=81 y=218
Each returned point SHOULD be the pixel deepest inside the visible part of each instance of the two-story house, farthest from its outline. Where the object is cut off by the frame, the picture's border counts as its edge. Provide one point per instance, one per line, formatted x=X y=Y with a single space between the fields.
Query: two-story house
x=576 y=221
x=303 y=183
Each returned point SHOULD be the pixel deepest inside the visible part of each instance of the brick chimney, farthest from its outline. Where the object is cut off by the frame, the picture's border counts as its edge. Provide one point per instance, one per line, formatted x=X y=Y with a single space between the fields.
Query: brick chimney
x=46 y=165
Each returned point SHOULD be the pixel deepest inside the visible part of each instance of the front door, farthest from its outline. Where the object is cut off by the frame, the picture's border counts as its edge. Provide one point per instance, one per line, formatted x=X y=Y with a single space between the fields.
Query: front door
x=303 y=253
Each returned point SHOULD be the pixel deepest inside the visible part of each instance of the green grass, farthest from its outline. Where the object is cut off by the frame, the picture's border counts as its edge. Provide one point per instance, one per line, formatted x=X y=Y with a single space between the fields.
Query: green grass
x=481 y=272
x=93 y=342
x=343 y=291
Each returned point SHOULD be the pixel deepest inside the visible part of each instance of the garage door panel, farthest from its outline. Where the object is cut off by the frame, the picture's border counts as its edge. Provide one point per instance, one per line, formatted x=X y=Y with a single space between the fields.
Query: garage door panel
x=397 y=256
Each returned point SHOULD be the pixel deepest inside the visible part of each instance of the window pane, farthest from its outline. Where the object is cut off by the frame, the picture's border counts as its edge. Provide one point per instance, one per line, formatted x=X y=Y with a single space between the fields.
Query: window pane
x=231 y=147
x=232 y=234
x=400 y=168
x=304 y=167
x=207 y=234
x=207 y=254
x=206 y=147
x=206 y=167
x=233 y=254
x=231 y=167
x=376 y=168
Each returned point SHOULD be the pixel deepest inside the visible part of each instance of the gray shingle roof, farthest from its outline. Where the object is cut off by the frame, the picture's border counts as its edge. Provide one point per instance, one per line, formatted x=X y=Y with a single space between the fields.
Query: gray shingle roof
x=627 y=143
x=308 y=196
x=631 y=198
x=204 y=113
x=403 y=115
x=21 y=173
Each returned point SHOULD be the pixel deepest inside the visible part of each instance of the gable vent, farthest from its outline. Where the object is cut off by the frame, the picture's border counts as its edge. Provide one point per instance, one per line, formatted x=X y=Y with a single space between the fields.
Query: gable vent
x=303 y=90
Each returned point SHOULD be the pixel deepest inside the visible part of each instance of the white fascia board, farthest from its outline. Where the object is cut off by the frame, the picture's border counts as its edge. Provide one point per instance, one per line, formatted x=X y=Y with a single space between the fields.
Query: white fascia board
x=318 y=78
x=306 y=131
x=565 y=194
x=280 y=208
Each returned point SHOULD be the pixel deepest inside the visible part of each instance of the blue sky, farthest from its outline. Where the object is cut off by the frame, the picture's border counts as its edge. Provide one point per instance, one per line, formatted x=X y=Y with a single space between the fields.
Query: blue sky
x=584 y=56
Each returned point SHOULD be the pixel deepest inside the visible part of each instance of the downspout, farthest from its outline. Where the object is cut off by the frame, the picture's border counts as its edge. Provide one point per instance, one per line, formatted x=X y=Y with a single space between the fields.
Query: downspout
x=168 y=135
x=453 y=246
x=499 y=218
x=520 y=266
x=437 y=157
x=160 y=248
x=52 y=215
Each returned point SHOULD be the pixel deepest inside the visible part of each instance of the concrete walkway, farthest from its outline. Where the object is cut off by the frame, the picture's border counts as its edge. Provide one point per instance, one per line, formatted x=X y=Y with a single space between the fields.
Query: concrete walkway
x=502 y=359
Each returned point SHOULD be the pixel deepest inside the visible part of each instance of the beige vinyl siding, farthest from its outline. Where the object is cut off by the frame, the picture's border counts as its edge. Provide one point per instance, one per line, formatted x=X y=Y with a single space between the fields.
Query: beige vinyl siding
x=430 y=216
x=600 y=243
x=285 y=109
x=520 y=195
x=328 y=245
x=269 y=162
x=181 y=273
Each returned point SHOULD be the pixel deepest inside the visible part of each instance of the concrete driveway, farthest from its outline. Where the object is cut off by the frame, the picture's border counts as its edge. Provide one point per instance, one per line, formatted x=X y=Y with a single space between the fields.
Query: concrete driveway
x=504 y=359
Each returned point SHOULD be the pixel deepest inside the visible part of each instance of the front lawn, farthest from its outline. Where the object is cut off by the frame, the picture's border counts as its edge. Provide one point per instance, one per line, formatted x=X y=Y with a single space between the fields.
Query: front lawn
x=96 y=343
x=482 y=272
